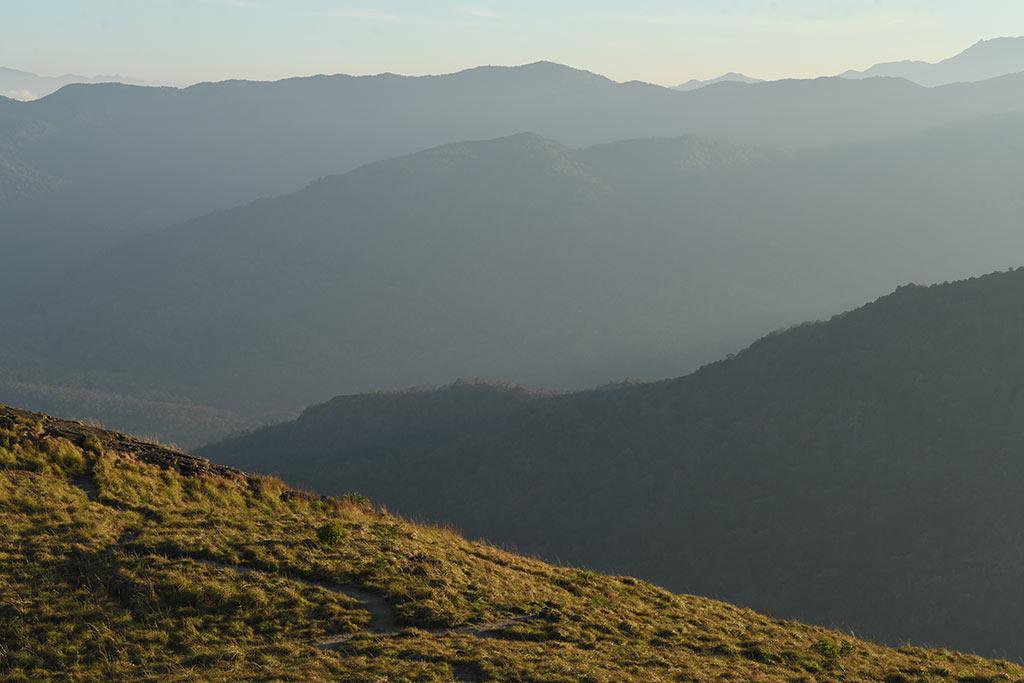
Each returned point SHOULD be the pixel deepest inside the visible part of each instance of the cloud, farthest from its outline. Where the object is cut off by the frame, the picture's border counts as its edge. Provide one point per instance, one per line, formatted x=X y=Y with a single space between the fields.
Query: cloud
x=24 y=95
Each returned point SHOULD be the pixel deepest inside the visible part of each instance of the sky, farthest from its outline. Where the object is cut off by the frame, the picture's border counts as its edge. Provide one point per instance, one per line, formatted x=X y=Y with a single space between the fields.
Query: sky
x=659 y=41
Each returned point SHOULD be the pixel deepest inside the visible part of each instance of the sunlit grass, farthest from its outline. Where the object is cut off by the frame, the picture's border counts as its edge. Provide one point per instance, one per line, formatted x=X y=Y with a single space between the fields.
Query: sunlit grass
x=165 y=576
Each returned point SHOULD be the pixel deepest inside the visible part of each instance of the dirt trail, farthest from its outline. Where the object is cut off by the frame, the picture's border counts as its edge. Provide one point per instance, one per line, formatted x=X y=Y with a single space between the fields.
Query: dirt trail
x=382 y=616
x=88 y=486
x=487 y=629
x=383 y=619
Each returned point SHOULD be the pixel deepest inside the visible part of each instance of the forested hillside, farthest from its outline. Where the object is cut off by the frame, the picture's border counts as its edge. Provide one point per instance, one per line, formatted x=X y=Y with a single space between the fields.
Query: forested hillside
x=861 y=472
x=19 y=180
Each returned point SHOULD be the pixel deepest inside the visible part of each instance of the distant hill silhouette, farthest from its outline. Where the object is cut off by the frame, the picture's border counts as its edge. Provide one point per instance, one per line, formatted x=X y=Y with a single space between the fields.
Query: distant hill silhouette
x=983 y=60
x=524 y=259
x=861 y=472
x=172 y=420
x=134 y=159
x=24 y=85
x=731 y=77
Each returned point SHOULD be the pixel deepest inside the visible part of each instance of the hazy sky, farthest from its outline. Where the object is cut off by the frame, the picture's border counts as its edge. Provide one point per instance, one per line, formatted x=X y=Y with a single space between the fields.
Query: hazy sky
x=660 y=41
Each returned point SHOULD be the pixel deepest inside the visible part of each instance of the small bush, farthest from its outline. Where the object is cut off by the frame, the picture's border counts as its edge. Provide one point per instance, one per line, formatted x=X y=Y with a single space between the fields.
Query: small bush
x=832 y=649
x=331 y=533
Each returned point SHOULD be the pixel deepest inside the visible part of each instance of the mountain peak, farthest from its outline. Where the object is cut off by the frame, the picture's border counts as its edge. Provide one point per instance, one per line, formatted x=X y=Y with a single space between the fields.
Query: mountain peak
x=983 y=60
x=999 y=42
x=542 y=68
x=25 y=85
x=992 y=57
x=731 y=77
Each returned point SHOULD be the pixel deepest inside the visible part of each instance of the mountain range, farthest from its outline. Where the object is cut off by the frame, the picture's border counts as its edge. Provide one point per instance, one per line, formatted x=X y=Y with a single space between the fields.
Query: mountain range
x=24 y=85
x=860 y=472
x=731 y=77
x=169 y=155
x=985 y=59
x=519 y=258
x=212 y=264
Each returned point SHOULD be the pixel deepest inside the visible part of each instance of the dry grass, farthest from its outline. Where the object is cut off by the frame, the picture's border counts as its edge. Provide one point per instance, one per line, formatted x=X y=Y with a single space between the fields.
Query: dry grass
x=172 y=577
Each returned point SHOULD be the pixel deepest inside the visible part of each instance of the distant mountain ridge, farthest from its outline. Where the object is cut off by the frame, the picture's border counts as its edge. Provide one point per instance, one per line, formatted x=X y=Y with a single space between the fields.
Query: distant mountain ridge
x=24 y=85
x=170 y=154
x=206 y=144
x=861 y=471
x=523 y=258
x=731 y=77
x=984 y=60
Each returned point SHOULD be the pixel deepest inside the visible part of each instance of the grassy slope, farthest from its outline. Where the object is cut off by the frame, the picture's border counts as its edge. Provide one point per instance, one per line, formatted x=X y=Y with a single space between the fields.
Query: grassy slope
x=124 y=558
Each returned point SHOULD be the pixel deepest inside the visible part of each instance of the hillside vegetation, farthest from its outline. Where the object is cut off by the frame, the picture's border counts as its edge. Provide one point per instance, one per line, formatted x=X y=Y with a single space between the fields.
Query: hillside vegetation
x=124 y=559
x=862 y=471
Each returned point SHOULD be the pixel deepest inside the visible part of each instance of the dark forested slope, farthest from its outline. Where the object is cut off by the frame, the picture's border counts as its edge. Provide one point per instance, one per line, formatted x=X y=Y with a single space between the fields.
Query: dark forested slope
x=863 y=471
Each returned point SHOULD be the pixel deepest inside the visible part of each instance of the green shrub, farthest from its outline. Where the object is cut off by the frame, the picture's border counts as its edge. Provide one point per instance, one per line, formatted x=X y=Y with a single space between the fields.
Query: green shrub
x=832 y=649
x=331 y=533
